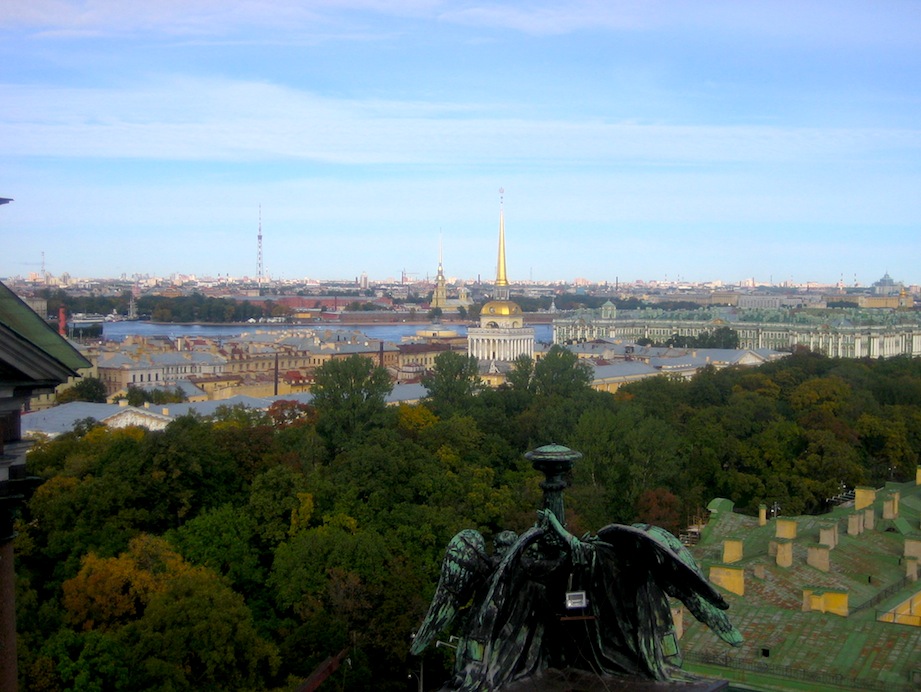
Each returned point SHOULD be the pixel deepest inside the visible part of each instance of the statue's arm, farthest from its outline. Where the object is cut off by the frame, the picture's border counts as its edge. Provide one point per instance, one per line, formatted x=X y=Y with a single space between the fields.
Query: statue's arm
x=546 y=518
x=578 y=549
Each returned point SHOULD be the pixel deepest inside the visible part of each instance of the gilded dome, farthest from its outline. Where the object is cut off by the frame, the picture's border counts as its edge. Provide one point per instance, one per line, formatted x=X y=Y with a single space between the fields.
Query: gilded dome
x=500 y=308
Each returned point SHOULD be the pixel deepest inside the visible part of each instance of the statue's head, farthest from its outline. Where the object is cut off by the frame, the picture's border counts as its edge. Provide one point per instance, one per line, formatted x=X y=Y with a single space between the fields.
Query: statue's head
x=503 y=541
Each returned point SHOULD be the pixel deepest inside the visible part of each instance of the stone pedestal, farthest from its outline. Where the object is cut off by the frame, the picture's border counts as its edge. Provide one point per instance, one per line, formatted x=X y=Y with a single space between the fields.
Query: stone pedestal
x=786 y=528
x=855 y=524
x=732 y=551
x=817 y=556
x=784 y=553
x=891 y=505
x=828 y=535
x=864 y=497
x=912 y=548
x=730 y=578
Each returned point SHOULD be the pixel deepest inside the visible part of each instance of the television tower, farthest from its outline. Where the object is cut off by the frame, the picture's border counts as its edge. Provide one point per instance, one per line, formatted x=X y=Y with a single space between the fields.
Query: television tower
x=259 y=271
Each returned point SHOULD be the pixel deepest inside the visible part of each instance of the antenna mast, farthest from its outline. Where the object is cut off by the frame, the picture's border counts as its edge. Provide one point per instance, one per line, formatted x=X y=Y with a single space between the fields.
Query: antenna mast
x=259 y=251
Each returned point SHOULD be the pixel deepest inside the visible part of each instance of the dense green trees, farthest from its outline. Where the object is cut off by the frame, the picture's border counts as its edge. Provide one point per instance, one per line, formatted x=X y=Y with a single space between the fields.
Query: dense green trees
x=86 y=389
x=191 y=308
x=560 y=374
x=453 y=382
x=721 y=337
x=102 y=305
x=137 y=396
x=200 y=308
x=348 y=394
x=242 y=550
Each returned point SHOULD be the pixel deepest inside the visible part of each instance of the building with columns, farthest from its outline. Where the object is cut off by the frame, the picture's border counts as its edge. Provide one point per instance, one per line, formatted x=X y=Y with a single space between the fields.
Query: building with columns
x=502 y=335
x=834 y=333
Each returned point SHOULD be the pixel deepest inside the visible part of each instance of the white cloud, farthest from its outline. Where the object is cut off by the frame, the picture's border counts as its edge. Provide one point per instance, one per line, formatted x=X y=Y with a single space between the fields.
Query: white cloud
x=196 y=17
x=555 y=18
x=244 y=121
x=816 y=21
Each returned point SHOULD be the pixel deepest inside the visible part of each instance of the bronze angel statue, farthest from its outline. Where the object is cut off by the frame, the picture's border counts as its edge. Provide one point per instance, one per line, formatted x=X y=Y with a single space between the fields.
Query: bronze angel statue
x=546 y=599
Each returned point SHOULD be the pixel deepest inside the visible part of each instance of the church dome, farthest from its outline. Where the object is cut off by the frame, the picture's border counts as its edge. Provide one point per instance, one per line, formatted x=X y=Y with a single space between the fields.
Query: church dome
x=500 y=308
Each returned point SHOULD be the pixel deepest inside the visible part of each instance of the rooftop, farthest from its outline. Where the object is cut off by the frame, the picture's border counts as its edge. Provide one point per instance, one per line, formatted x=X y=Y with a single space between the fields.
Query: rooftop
x=852 y=651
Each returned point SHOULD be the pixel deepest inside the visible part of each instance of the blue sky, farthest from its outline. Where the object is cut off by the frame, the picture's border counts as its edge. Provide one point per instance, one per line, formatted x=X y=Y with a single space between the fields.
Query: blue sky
x=650 y=140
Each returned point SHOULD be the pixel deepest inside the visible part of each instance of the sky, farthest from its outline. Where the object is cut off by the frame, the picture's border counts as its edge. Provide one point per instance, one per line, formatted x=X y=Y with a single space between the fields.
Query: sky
x=654 y=140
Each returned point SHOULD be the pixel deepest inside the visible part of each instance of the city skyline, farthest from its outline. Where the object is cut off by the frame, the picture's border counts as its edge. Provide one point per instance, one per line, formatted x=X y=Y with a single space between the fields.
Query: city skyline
x=635 y=141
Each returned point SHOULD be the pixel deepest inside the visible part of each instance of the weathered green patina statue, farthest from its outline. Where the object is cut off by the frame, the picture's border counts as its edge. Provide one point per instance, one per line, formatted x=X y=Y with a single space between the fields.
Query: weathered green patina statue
x=546 y=599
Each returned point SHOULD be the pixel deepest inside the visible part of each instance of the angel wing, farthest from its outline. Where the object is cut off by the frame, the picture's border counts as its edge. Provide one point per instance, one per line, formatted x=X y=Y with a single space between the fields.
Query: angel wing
x=675 y=571
x=464 y=567
x=711 y=613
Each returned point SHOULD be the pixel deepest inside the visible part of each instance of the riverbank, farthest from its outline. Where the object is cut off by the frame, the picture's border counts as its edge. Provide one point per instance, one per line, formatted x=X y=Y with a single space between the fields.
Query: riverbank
x=385 y=331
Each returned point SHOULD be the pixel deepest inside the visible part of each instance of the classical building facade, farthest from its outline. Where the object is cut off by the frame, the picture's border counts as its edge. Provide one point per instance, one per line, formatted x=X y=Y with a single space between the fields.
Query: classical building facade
x=839 y=337
x=118 y=371
x=501 y=336
x=585 y=325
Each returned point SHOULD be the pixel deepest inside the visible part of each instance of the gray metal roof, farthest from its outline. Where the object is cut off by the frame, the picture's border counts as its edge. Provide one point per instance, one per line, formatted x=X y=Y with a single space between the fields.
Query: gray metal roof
x=630 y=368
x=63 y=418
x=208 y=408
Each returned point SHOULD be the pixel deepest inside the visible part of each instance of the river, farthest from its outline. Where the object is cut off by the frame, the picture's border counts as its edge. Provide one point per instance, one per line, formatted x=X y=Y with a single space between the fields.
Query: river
x=118 y=331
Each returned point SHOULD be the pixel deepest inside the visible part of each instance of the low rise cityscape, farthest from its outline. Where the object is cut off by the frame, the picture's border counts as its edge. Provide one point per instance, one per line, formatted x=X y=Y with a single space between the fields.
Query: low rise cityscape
x=647 y=336
x=164 y=349
x=300 y=326
x=292 y=401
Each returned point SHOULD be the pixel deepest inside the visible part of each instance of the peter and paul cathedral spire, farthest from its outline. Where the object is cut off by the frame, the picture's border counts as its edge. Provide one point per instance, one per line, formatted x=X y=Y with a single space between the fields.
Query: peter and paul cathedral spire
x=440 y=295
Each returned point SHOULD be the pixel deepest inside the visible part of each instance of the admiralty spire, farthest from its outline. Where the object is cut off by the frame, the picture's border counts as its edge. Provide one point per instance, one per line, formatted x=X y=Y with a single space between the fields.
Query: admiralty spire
x=501 y=336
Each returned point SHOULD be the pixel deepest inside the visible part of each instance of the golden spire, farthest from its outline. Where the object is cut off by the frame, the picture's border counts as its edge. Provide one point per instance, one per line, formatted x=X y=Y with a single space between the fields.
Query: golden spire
x=440 y=252
x=501 y=278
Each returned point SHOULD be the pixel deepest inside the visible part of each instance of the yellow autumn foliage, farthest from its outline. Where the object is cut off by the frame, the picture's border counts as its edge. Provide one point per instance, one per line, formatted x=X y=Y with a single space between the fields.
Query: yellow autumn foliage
x=109 y=592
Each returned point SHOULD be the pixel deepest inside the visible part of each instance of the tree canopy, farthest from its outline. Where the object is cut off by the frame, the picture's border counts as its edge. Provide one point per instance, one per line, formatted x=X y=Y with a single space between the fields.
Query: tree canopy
x=242 y=550
x=453 y=382
x=85 y=389
x=348 y=395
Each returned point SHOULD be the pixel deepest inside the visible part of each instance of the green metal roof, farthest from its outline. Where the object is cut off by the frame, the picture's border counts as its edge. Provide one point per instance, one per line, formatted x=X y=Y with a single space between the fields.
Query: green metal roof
x=721 y=504
x=26 y=324
x=810 y=650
